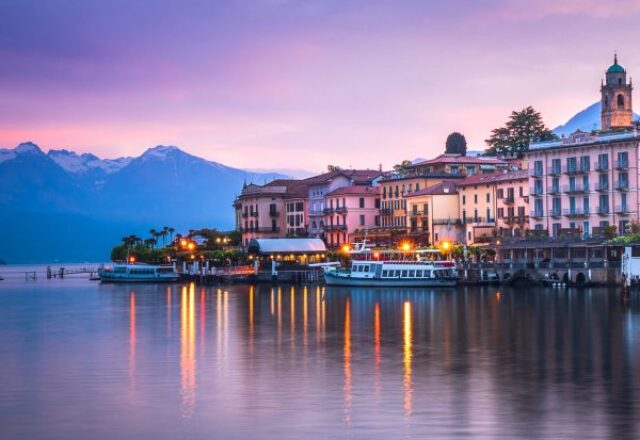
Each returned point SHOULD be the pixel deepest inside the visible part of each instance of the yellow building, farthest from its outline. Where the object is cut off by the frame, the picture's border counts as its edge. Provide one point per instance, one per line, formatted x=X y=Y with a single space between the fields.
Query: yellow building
x=433 y=215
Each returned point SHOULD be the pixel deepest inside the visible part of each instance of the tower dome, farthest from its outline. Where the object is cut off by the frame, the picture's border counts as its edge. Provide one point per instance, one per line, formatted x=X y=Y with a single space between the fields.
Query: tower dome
x=615 y=67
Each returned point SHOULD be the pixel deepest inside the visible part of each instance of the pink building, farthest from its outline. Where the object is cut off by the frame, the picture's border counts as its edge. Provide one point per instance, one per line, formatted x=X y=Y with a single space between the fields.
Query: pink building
x=584 y=181
x=350 y=209
x=589 y=180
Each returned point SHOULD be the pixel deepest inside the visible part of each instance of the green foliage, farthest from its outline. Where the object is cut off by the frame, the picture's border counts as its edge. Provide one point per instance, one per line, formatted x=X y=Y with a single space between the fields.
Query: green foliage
x=332 y=168
x=400 y=167
x=521 y=129
x=456 y=144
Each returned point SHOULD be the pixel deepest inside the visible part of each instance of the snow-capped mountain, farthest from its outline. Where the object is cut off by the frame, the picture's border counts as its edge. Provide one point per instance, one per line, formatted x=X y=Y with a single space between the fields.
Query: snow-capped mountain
x=50 y=200
x=82 y=163
x=585 y=120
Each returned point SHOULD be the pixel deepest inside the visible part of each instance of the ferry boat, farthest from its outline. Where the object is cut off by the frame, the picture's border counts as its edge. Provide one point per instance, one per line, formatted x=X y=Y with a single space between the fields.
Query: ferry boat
x=422 y=272
x=137 y=273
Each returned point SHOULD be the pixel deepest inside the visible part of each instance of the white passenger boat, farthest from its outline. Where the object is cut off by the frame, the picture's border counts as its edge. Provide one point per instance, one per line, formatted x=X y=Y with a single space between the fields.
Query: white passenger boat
x=137 y=273
x=421 y=272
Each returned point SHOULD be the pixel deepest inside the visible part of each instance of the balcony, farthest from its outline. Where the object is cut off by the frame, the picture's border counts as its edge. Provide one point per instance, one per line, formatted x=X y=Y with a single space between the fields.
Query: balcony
x=603 y=210
x=478 y=220
x=327 y=211
x=577 y=169
x=274 y=214
x=516 y=219
x=537 y=214
x=577 y=188
x=553 y=189
x=330 y=228
x=536 y=172
x=602 y=186
x=508 y=200
x=555 y=212
x=447 y=221
x=554 y=171
x=622 y=210
x=245 y=215
x=536 y=192
x=416 y=214
x=341 y=210
x=622 y=185
x=602 y=167
x=386 y=211
x=576 y=212
x=622 y=164
x=257 y=229
x=253 y=214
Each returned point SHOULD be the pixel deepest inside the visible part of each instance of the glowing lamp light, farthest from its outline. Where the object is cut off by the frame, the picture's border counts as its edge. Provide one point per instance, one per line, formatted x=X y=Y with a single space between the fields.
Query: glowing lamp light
x=132 y=259
x=193 y=257
x=183 y=242
x=406 y=247
x=191 y=246
x=446 y=245
x=218 y=240
x=346 y=248
x=376 y=255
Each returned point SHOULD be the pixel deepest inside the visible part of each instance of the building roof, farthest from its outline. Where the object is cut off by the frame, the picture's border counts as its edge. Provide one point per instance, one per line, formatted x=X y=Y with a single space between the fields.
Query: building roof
x=287 y=245
x=357 y=176
x=442 y=188
x=481 y=179
x=615 y=67
x=355 y=190
x=581 y=138
x=458 y=159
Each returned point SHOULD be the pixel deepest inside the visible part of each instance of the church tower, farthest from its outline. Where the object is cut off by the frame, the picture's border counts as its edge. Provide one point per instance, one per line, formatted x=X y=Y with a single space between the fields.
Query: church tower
x=617 y=111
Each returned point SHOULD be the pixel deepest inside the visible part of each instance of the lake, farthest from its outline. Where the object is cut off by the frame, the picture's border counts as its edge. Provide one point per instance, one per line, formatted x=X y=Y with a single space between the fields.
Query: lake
x=90 y=361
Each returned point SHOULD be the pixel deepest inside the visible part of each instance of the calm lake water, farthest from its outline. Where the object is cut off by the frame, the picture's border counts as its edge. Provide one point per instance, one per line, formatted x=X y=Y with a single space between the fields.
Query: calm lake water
x=80 y=360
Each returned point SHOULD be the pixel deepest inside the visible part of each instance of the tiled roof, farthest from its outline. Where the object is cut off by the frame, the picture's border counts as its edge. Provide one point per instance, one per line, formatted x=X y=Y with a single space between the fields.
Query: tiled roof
x=438 y=189
x=457 y=159
x=355 y=190
x=480 y=179
x=358 y=176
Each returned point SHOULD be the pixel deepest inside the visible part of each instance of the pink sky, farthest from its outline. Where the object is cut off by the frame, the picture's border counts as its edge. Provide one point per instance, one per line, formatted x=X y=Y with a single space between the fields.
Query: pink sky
x=298 y=84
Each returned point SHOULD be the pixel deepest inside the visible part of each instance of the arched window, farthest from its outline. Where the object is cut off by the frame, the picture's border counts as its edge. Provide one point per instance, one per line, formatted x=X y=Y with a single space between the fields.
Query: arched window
x=620 y=101
x=606 y=102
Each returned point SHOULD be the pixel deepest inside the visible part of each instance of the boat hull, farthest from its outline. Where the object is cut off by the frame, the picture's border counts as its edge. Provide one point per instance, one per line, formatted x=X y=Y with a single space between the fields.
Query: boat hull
x=342 y=280
x=130 y=279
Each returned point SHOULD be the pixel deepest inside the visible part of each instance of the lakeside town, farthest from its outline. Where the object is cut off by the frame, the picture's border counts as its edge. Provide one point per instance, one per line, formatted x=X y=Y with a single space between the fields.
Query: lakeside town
x=566 y=201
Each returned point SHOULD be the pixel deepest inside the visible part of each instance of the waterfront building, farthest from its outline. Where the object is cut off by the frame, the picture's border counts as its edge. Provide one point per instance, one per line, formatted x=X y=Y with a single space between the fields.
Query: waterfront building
x=493 y=204
x=320 y=186
x=350 y=210
x=433 y=216
x=589 y=180
x=456 y=164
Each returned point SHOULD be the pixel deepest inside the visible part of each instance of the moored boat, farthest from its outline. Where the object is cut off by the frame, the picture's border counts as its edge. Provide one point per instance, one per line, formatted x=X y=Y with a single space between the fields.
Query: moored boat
x=137 y=273
x=393 y=274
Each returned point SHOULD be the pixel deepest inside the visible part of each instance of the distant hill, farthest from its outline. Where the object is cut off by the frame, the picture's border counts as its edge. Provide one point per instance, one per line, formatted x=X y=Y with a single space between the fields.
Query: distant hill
x=585 y=120
x=68 y=207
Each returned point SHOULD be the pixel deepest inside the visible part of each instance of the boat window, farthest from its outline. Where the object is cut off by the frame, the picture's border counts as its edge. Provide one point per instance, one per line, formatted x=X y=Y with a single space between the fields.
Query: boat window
x=366 y=268
x=412 y=274
x=427 y=274
x=384 y=274
x=419 y=273
x=404 y=274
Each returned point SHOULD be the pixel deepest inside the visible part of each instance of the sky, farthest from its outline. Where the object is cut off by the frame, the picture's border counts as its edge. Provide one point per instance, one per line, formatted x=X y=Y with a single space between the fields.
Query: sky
x=298 y=83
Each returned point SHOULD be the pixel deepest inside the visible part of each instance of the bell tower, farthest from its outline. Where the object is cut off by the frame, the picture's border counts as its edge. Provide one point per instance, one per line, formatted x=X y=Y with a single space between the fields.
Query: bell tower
x=617 y=111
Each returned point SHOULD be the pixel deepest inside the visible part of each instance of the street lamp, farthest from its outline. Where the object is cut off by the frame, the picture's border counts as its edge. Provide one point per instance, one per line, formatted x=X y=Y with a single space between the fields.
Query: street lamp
x=446 y=246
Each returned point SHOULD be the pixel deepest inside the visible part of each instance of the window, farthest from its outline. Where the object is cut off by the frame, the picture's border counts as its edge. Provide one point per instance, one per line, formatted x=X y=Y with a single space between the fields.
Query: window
x=377 y=203
x=500 y=193
x=585 y=204
x=603 y=161
x=620 y=100
x=464 y=200
x=488 y=197
x=403 y=274
x=361 y=202
x=500 y=212
x=419 y=273
x=384 y=274
x=521 y=192
x=475 y=198
x=537 y=168
x=361 y=219
x=556 y=229
x=603 y=182
x=412 y=274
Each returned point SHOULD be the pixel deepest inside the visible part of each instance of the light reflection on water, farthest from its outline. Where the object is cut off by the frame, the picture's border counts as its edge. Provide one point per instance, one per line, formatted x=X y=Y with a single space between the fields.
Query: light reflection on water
x=314 y=362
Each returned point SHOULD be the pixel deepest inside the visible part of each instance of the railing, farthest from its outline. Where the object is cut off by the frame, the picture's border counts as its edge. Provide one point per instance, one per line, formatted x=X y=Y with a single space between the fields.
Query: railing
x=327 y=210
x=257 y=229
x=577 y=188
x=578 y=169
x=622 y=185
x=576 y=212
x=509 y=199
x=341 y=209
x=622 y=209
x=537 y=214
x=254 y=214
x=447 y=221
x=553 y=189
x=536 y=192
x=245 y=215
x=603 y=210
x=555 y=212
x=602 y=186
x=386 y=211
x=415 y=213
x=622 y=164
x=536 y=172
x=478 y=220
x=554 y=171
x=335 y=227
x=515 y=219
x=274 y=213
x=602 y=166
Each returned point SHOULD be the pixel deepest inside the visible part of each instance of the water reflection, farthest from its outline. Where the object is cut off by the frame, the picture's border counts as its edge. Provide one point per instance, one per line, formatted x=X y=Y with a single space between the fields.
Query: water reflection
x=407 y=352
x=419 y=362
x=187 y=350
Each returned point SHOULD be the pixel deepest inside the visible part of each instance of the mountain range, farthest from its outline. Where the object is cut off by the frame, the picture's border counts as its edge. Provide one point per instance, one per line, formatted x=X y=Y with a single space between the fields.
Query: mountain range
x=64 y=206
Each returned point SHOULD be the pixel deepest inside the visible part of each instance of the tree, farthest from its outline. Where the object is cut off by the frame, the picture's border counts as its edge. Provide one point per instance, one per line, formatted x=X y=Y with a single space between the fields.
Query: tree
x=171 y=230
x=399 y=167
x=163 y=233
x=456 y=144
x=332 y=168
x=521 y=129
